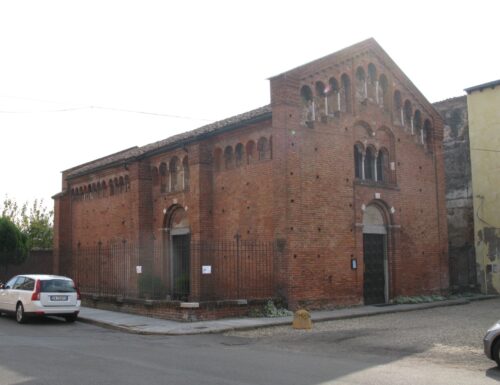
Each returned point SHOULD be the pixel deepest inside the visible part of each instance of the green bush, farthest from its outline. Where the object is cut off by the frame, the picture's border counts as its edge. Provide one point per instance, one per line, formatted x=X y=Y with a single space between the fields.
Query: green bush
x=270 y=310
x=13 y=244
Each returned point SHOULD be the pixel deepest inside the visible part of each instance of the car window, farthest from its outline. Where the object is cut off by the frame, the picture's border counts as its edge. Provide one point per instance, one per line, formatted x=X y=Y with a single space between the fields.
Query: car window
x=28 y=284
x=57 y=286
x=10 y=283
x=19 y=281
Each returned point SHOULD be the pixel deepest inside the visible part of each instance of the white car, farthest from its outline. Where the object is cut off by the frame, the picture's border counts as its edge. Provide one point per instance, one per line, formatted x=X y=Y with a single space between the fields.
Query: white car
x=39 y=295
x=492 y=343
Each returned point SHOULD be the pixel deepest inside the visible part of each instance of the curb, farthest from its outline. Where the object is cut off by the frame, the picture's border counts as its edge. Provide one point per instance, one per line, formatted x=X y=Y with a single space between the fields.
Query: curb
x=282 y=322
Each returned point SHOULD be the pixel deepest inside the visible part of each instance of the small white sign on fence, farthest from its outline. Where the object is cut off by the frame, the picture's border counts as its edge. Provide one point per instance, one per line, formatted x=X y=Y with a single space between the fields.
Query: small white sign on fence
x=138 y=269
x=206 y=269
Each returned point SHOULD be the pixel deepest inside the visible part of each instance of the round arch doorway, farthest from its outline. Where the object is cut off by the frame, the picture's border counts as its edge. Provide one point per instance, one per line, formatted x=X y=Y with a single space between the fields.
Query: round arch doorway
x=375 y=276
x=177 y=252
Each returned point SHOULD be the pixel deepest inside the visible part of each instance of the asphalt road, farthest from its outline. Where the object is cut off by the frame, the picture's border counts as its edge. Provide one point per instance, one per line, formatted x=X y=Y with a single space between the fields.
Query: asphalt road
x=438 y=346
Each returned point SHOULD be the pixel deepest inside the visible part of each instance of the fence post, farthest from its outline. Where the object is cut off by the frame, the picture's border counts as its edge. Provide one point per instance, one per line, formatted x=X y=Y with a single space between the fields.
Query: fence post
x=237 y=237
x=99 y=266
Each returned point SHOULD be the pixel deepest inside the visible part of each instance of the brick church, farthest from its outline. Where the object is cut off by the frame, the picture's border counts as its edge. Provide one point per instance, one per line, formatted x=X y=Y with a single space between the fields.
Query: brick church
x=333 y=194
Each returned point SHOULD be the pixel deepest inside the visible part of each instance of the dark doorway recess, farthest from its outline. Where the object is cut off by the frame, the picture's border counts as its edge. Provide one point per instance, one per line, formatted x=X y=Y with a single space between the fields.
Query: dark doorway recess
x=374 y=274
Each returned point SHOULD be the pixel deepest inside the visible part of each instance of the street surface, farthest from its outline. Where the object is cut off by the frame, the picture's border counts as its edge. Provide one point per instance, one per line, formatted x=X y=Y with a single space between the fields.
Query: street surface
x=435 y=346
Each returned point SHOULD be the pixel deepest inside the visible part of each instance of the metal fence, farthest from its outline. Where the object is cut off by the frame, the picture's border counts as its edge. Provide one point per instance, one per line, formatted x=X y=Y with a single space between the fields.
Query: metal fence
x=235 y=269
x=106 y=270
x=192 y=270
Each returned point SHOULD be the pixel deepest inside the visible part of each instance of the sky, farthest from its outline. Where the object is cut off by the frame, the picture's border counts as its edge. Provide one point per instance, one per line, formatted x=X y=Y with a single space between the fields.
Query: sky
x=83 y=79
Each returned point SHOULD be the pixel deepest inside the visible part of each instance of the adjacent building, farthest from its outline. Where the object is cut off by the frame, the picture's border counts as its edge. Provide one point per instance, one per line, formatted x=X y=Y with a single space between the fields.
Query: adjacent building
x=484 y=126
x=460 y=212
x=333 y=194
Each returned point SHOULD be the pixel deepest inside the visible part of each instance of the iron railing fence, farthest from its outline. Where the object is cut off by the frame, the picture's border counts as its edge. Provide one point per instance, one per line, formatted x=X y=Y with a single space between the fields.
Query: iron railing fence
x=192 y=270
x=106 y=270
x=235 y=269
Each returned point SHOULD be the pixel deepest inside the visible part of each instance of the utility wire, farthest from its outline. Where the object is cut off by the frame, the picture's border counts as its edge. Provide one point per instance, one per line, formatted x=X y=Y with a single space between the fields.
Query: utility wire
x=90 y=107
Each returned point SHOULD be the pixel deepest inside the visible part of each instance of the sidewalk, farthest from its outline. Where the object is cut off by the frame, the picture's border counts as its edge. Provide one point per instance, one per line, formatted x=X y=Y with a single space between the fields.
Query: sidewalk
x=146 y=325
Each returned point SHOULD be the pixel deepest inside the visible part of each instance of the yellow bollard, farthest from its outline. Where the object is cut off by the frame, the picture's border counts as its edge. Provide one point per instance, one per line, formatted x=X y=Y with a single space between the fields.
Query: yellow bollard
x=302 y=320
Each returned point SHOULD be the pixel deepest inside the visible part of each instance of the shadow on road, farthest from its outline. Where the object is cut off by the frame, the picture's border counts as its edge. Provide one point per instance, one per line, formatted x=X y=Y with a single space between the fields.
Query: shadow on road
x=493 y=373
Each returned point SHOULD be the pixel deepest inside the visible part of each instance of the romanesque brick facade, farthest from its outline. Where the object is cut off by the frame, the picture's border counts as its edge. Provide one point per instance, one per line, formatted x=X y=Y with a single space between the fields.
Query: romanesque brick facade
x=342 y=173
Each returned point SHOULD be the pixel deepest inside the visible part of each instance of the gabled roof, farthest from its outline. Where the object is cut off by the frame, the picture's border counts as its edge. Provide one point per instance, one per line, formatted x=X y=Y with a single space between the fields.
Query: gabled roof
x=134 y=153
x=257 y=115
x=347 y=53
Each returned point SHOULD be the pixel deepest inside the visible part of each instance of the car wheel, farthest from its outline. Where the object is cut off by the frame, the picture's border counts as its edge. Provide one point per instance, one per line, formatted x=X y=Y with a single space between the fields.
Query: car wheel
x=20 y=316
x=70 y=318
x=495 y=352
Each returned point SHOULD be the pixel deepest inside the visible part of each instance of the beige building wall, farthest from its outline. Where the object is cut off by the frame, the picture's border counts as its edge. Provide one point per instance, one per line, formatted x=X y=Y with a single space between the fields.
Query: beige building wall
x=484 y=130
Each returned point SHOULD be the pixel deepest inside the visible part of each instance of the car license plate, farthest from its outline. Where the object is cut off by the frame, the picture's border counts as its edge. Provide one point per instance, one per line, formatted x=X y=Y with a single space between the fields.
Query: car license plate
x=58 y=297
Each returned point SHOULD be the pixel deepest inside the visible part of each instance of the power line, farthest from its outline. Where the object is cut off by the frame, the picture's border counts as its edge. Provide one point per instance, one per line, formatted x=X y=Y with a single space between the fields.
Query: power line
x=90 y=107
x=151 y=113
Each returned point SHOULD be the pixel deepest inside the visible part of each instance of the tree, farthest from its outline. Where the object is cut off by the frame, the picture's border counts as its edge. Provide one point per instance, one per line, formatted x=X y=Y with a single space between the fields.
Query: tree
x=13 y=243
x=35 y=222
x=39 y=227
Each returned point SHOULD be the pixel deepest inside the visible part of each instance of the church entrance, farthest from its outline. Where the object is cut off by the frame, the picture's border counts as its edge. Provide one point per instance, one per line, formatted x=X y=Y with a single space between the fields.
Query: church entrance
x=375 y=287
x=180 y=266
x=178 y=253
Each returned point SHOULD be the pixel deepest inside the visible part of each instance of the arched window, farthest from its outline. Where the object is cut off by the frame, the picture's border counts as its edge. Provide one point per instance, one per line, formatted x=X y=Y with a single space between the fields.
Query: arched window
x=417 y=122
x=383 y=92
x=173 y=167
x=127 y=183
x=345 y=94
x=111 y=187
x=398 y=108
x=369 y=163
x=320 y=98
x=309 y=113
x=427 y=135
x=217 y=159
x=104 y=189
x=185 y=173
x=163 y=177
x=358 y=161
x=250 y=147
x=228 y=158
x=239 y=155
x=263 y=149
x=361 y=85
x=121 y=184
x=383 y=169
x=372 y=83
x=380 y=166
x=332 y=97
x=408 y=114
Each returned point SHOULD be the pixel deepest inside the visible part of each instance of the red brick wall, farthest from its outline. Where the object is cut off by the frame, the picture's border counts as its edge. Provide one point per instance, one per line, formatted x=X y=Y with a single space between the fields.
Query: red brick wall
x=305 y=194
x=324 y=202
